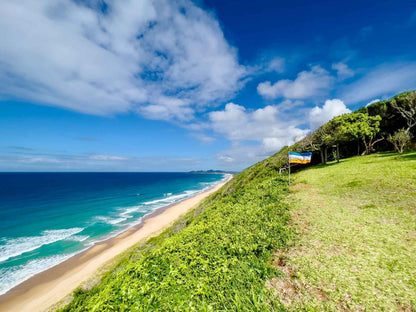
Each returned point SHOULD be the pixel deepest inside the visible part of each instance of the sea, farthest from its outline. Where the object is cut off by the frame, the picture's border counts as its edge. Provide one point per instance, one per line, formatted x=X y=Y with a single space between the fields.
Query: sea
x=46 y=218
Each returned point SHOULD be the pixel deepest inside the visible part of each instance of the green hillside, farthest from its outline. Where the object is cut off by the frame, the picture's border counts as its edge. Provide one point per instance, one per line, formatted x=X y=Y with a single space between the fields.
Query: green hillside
x=355 y=225
x=214 y=259
x=341 y=239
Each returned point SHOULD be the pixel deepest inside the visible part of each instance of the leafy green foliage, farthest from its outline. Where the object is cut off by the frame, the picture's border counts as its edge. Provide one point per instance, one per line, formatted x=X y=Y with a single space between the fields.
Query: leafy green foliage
x=392 y=119
x=356 y=126
x=400 y=139
x=365 y=127
x=407 y=109
x=341 y=129
x=219 y=261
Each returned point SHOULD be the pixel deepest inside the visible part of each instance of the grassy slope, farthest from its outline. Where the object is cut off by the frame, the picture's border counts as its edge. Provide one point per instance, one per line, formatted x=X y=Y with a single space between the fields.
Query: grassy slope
x=356 y=249
x=216 y=258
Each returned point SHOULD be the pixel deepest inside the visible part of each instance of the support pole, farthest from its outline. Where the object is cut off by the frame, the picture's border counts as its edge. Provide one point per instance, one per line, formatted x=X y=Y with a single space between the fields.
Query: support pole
x=289 y=166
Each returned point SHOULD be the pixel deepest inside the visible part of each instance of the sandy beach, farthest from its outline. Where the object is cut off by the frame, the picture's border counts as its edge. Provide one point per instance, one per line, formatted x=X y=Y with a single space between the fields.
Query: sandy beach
x=51 y=286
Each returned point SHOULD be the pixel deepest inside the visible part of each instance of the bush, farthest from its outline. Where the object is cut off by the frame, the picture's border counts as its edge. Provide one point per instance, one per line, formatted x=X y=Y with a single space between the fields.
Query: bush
x=400 y=139
x=217 y=262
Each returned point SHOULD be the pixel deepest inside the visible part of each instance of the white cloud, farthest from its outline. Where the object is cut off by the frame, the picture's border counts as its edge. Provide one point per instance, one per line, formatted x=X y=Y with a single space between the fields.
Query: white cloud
x=383 y=80
x=107 y=157
x=97 y=162
x=343 y=71
x=332 y=108
x=287 y=105
x=238 y=124
x=254 y=134
x=161 y=58
x=40 y=159
x=226 y=158
x=206 y=139
x=307 y=84
x=277 y=64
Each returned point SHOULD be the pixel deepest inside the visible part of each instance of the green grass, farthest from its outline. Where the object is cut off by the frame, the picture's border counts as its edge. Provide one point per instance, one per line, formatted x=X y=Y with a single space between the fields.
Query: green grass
x=354 y=248
x=356 y=243
x=214 y=259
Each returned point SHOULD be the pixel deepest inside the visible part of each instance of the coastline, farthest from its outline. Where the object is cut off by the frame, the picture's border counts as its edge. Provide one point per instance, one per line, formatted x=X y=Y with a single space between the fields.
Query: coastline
x=47 y=288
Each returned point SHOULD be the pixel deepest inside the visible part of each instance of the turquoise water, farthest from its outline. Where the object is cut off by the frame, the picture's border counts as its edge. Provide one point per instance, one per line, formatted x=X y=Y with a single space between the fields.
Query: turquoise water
x=45 y=218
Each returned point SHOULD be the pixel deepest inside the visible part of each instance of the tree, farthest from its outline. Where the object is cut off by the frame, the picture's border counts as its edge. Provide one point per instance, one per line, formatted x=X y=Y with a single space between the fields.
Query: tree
x=407 y=109
x=320 y=140
x=329 y=134
x=337 y=132
x=400 y=139
x=360 y=127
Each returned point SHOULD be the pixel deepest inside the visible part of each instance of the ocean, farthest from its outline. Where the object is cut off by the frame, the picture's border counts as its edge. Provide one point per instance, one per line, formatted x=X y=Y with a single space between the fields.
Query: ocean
x=45 y=218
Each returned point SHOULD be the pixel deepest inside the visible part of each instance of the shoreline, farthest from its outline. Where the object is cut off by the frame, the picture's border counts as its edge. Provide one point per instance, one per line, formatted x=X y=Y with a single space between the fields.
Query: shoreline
x=47 y=288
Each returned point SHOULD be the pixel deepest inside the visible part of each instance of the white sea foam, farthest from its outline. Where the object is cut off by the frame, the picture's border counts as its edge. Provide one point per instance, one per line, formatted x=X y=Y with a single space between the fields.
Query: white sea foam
x=172 y=198
x=128 y=211
x=17 y=246
x=110 y=220
x=78 y=238
x=13 y=276
x=156 y=201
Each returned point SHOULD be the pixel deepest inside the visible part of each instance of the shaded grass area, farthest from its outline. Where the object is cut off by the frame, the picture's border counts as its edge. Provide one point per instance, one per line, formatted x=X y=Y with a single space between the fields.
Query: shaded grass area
x=356 y=243
x=216 y=258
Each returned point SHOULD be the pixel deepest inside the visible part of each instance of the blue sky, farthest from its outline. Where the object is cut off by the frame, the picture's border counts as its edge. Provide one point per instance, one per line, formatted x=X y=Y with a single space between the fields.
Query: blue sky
x=164 y=85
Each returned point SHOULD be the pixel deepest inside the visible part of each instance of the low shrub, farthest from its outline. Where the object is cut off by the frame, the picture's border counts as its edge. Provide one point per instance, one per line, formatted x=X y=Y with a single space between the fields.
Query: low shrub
x=217 y=262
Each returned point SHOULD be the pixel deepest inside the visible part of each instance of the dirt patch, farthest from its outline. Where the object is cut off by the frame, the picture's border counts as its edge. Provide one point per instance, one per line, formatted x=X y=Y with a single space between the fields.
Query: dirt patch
x=404 y=307
x=287 y=290
x=291 y=291
x=299 y=186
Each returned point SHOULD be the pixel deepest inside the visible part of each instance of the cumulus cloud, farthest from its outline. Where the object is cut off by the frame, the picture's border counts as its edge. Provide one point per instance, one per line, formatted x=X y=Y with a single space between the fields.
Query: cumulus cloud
x=332 y=108
x=343 y=71
x=163 y=59
x=287 y=105
x=384 y=79
x=264 y=128
x=307 y=84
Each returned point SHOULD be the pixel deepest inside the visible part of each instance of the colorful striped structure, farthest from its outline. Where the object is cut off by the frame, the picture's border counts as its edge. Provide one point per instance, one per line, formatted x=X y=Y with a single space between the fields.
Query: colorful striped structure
x=300 y=158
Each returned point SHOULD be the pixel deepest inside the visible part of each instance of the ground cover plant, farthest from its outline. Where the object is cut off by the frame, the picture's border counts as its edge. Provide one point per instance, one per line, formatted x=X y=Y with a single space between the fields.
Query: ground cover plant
x=219 y=260
x=354 y=249
x=356 y=243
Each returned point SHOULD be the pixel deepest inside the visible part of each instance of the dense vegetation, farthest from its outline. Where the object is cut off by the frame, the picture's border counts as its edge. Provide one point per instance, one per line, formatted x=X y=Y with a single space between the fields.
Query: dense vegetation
x=218 y=261
x=218 y=257
x=381 y=126
x=356 y=244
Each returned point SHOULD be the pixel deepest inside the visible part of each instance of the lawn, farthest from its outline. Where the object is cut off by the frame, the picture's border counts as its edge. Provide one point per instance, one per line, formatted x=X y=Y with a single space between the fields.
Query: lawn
x=356 y=237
